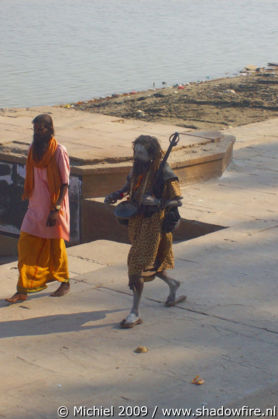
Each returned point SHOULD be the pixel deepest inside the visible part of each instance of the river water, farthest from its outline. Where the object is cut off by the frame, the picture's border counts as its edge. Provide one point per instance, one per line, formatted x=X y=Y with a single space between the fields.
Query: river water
x=60 y=51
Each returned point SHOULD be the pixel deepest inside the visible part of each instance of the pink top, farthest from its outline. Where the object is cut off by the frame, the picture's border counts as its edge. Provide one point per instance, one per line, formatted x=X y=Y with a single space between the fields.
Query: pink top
x=34 y=221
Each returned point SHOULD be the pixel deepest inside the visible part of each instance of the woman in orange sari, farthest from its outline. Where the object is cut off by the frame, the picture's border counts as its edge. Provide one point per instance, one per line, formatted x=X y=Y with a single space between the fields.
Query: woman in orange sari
x=42 y=253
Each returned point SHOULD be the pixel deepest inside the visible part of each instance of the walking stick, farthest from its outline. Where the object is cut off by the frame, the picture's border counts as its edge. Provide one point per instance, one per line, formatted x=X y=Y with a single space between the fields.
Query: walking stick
x=158 y=183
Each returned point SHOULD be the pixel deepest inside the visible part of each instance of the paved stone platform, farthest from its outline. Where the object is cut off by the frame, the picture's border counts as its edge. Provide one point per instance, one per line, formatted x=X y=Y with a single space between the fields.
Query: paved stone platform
x=70 y=351
x=89 y=137
x=96 y=142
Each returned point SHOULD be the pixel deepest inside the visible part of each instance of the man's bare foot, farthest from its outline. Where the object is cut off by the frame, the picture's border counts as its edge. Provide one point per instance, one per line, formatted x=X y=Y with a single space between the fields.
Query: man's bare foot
x=173 y=287
x=170 y=302
x=173 y=284
x=16 y=297
x=130 y=321
x=62 y=290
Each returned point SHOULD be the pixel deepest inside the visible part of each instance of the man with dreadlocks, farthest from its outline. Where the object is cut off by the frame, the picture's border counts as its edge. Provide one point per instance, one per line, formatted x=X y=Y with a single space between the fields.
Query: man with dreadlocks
x=42 y=253
x=150 y=229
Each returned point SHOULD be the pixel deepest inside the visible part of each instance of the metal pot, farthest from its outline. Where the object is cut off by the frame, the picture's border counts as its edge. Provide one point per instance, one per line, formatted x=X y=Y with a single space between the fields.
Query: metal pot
x=126 y=209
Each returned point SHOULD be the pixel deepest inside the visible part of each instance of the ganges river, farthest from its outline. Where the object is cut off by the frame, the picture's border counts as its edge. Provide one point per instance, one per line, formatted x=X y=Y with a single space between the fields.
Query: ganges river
x=61 y=51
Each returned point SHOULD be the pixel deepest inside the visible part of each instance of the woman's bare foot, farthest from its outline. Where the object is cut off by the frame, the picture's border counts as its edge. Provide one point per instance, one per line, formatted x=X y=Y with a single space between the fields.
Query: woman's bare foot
x=62 y=290
x=16 y=297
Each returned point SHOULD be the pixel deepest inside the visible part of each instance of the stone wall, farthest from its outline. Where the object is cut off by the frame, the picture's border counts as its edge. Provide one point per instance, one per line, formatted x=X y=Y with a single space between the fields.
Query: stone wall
x=12 y=208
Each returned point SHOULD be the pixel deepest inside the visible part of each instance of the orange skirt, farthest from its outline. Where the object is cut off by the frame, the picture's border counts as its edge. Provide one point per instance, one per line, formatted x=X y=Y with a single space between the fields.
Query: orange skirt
x=40 y=261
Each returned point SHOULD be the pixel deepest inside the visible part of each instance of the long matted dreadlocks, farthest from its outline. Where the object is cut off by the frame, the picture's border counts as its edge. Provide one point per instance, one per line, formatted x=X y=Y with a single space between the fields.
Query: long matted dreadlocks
x=153 y=148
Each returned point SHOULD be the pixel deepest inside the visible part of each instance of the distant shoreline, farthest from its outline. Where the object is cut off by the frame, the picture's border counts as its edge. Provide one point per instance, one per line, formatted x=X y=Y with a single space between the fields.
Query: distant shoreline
x=217 y=103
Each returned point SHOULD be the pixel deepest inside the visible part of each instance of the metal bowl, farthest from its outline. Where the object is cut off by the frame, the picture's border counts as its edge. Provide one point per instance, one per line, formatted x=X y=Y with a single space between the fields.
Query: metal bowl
x=126 y=209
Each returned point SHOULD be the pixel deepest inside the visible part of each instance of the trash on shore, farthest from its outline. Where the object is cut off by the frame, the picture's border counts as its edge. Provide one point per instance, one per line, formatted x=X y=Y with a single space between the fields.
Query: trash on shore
x=252 y=68
x=197 y=105
x=230 y=91
x=140 y=113
x=249 y=69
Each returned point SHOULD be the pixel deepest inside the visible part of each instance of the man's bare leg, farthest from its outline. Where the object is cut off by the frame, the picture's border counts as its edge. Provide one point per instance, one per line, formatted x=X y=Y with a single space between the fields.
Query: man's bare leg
x=173 y=285
x=18 y=296
x=63 y=289
x=136 y=284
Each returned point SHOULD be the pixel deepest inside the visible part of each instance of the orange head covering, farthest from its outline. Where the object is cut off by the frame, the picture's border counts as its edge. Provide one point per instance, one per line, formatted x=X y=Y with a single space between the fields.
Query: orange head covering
x=48 y=161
